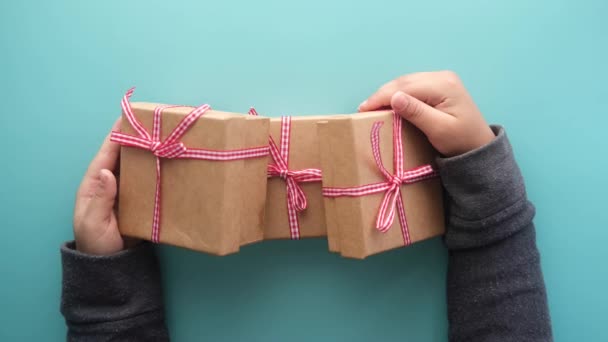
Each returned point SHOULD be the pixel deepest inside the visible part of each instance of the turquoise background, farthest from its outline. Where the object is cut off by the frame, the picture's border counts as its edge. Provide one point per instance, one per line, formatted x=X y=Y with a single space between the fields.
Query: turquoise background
x=537 y=67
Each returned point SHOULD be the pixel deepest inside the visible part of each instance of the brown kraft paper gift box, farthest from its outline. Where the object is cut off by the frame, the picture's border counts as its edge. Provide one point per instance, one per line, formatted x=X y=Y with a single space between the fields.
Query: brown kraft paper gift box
x=303 y=154
x=209 y=206
x=347 y=161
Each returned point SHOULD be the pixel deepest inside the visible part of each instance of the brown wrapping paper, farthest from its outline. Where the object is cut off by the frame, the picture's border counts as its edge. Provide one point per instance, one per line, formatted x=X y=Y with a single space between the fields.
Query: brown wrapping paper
x=347 y=161
x=303 y=154
x=209 y=206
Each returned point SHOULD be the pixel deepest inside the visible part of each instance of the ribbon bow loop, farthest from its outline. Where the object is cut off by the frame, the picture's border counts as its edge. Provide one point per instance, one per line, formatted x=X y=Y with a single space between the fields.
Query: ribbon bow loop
x=386 y=213
x=296 y=195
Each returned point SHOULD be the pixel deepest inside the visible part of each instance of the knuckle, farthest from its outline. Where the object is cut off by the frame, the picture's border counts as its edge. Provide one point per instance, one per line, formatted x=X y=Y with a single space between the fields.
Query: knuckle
x=412 y=110
x=450 y=77
x=389 y=87
x=415 y=109
x=98 y=193
x=401 y=80
x=449 y=74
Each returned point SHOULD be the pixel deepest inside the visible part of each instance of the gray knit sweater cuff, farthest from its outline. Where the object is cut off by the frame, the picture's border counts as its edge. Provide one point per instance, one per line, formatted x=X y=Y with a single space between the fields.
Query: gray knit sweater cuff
x=485 y=190
x=110 y=288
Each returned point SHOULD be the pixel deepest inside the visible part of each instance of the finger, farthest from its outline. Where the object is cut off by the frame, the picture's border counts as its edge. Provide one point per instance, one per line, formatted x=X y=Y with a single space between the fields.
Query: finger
x=428 y=119
x=408 y=83
x=381 y=98
x=429 y=90
x=428 y=87
x=106 y=158
x=101 y=206
x=434 y=88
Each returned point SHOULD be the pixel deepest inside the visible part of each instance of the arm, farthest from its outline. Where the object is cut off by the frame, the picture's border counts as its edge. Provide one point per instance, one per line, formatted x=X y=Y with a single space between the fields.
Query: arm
x=495 y=286
x=110 y=291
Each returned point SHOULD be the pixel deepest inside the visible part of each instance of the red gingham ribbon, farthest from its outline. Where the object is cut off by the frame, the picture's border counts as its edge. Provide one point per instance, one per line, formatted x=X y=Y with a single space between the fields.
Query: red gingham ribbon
x=296 y=198
x=392 y=186
x=172 y=147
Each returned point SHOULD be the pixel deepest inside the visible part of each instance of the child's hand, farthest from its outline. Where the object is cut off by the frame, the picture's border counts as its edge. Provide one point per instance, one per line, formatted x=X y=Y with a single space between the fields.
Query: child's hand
x=95 y=224
x=440 y=106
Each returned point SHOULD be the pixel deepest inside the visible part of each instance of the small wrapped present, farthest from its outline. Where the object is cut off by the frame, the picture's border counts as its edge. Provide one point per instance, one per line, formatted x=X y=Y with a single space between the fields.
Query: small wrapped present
x=294 y=203
x=380 y=186
x=192 y=177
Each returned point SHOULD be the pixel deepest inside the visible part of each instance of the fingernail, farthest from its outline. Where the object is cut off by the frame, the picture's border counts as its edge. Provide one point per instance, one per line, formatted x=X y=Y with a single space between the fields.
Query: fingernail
x=362 y=104
x=399 y=101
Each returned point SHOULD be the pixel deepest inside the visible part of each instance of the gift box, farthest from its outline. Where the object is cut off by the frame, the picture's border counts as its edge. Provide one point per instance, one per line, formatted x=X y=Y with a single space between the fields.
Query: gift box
x=294 y=203
x=192 y=177
x=380 y=187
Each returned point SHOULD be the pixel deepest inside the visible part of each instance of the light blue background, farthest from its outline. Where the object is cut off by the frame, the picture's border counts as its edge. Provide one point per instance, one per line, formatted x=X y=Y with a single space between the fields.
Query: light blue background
x=537 y=67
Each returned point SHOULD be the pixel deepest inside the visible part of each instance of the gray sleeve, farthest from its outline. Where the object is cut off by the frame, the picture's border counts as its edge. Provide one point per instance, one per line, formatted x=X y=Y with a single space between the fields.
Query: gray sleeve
x=495 y=289
x=112 y=298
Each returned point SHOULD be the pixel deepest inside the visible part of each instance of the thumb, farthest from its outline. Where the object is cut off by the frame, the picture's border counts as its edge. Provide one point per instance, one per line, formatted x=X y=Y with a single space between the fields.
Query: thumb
x=420 y=114
x=101 y=205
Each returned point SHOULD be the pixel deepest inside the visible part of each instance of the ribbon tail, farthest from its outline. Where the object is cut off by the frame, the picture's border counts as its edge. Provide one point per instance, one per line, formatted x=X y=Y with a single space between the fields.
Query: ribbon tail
x=184 y=125
x=294 y=223
x=156 y=218
x=405 y=231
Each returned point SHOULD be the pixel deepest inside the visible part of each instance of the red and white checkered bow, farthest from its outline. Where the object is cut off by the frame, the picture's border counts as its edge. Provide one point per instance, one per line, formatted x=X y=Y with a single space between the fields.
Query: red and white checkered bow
x=172 y=147
x=296 y=198
x=392 y=201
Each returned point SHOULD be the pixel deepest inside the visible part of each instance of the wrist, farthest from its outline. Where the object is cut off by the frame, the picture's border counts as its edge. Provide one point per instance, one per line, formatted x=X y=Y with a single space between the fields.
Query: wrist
x=487 y=134
x=96 y=247
x=485 y=137
x=482 y=181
